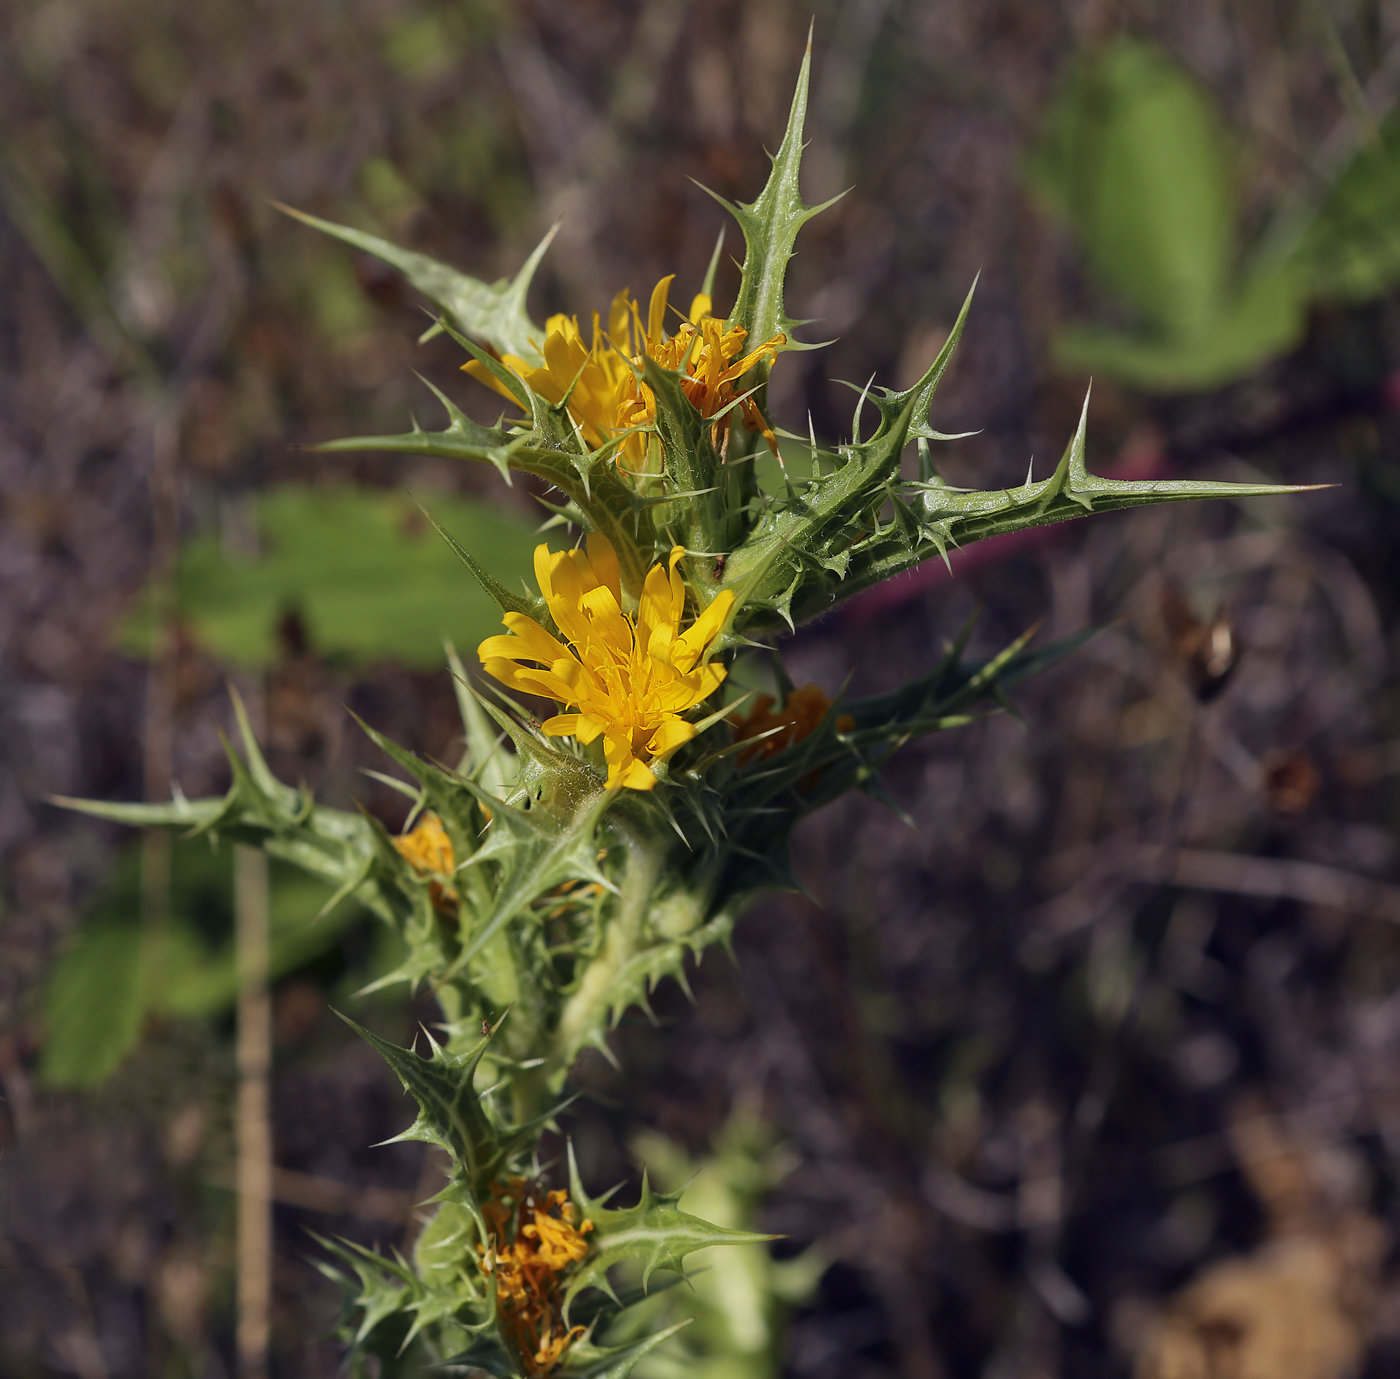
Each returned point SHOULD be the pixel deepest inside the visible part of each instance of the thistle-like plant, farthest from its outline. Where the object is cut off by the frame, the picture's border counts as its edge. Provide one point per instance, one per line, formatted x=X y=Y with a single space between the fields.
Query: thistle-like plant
x=572 y=859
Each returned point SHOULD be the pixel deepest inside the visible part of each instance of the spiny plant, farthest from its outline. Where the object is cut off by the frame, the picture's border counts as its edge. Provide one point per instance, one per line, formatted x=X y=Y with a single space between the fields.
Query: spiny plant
x=548 y=880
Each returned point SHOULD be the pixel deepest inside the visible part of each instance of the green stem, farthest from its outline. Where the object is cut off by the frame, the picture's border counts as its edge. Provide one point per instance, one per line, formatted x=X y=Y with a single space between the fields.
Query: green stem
x=587 y=1009
x=502 y=985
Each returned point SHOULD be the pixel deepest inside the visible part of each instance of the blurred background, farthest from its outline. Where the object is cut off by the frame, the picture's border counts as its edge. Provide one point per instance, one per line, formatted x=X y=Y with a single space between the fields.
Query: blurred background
x=1092 y=1070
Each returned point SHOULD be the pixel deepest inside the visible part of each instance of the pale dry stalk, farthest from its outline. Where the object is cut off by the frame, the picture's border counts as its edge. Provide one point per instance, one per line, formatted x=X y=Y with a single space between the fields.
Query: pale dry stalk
x=254 y=1128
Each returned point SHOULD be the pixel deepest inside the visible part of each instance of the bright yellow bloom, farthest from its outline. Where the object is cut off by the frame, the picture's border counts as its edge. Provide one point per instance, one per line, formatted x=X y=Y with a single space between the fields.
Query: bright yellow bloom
x=630 y=676
x=608 y=399
x=531 y=1244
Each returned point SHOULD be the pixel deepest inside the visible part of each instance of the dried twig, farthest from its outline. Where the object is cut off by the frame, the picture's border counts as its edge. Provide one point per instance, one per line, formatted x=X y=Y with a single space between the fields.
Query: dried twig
x=254 y=1127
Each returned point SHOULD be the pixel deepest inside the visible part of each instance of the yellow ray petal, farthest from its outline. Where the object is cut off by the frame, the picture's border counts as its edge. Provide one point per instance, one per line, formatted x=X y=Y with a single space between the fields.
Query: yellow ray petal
x=656 y=312
x=526 y=679
x=692 y=643
x=545 y=561
x=673 y=733
x=544 y=647
x=603 y=558
x=620 y=321
x=638 y=777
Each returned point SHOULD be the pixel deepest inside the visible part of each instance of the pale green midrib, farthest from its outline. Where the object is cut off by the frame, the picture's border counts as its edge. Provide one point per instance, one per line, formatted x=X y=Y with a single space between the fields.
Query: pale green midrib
x=587 y=1007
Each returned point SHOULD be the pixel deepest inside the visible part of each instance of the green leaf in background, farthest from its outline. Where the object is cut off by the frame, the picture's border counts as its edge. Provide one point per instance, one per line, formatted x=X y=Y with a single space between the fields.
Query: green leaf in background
x=92 y=1010
x=1351 y=250
x=102 y=990
x=1265 y=319
x=1136 y=159
x=363 y=569
x=739 y=1295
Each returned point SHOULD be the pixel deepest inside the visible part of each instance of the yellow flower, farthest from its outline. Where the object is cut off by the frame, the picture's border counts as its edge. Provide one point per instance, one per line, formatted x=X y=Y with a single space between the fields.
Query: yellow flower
x=608 y=399
x=426 y=847
x=629 y=676
x=531 y=1244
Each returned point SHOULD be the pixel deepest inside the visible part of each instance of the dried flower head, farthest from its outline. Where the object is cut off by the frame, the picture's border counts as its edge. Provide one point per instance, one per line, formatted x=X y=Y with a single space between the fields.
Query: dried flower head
x=774 y=729
x=533 y=1241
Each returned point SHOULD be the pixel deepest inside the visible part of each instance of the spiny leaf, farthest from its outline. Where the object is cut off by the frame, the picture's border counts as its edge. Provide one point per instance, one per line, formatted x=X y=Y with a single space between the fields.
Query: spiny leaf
x=495 y=312
x=508 y=602
x=380 y=1288
x=443 y=791
x=919 y=399
x=178 y=813
x=692 y=465
x=537 y=852
x=583 y=1360
x=484 y=757
x=655 y=1232
x=257 y=764
x=804 y=541
x=557 y=782
x=770 y=225
x=450 y=1113
x=608 y=505
x=486 y=1354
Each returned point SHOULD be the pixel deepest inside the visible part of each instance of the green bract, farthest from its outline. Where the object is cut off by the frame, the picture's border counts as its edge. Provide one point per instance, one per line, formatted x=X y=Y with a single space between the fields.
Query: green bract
x=551 y=904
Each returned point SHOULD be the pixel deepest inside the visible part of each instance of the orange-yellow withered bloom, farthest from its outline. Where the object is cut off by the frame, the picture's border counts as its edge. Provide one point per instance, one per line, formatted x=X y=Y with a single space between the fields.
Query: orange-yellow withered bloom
x=527 y=1262
x=628 y=677
x=768 y=729
x=605 y=396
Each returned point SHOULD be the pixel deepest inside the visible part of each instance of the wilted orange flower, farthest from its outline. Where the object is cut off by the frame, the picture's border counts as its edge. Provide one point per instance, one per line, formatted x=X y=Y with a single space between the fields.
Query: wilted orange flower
x=605 y=396
x=799 y=716
x=533 y=1240
x=629 y=676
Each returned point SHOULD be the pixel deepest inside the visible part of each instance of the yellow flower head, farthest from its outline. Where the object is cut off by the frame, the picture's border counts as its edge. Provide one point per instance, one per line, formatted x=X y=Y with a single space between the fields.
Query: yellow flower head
x=533 y=1239
x=426 y=847
x=629 y=676
x=608 y=399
